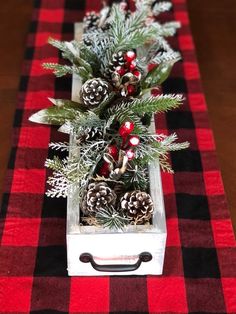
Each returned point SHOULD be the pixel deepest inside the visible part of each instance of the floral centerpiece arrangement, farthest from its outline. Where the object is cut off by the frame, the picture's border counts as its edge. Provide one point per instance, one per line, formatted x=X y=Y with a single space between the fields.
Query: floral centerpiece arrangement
x=121 y=58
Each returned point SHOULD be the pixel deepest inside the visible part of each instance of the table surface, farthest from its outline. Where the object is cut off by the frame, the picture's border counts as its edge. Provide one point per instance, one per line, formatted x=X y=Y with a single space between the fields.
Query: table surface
x=217 y=66
x=199 y=271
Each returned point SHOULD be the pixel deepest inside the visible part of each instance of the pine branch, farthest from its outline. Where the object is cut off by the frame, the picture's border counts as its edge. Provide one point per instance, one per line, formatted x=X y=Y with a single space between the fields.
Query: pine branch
x=59 y=146
x=157 y=146
x=169 y=29
x=58 y=69
x=161 y=7
x=157 y=104
x=111 y=218
x=61 y=70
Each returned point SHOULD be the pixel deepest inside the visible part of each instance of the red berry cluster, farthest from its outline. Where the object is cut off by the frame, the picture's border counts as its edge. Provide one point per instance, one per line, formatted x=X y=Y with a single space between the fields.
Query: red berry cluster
x=129 y=67
x=129 y=142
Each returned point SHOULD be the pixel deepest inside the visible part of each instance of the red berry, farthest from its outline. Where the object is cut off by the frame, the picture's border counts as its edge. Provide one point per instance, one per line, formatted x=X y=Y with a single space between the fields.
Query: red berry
x=134 y=140
x=137 y=74
x=130 y=154
x=126 y=128
x=130 y=56
x=113 y=151
x=156 y=92
x=120 y=70
x=132 y=66
x=130 y=89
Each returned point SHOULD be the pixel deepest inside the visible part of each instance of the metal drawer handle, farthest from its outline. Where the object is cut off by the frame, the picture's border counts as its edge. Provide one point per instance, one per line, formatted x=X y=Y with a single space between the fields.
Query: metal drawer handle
x=142 y=257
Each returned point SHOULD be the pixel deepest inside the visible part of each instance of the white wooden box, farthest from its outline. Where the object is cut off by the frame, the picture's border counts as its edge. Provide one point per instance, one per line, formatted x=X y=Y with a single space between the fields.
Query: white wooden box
x=137 y=250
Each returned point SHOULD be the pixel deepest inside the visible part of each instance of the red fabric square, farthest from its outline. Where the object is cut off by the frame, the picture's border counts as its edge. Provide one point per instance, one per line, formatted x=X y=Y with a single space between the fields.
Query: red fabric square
x=213 y=182
x=186 y=42
x=173 y=238
x=15 y=294
x=89 y=294
x=51 y=16
x=205 y=139
x=197 y=102
x=182 y=16
x=29 y=181
x=167 y=183
x=166 y=295
x=223 y=233
x=35 y=137
x=38 y=100
x=229 y=287
x=41 y=39
x=21 y=232
x=191 y=70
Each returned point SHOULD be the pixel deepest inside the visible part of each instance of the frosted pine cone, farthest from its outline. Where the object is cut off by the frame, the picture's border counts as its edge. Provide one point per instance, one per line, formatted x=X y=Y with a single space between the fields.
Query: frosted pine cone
x=138 y=206
x=118 y=60
x=90 y=134
x=98 y=196
x=94 y=91
x=91 y=21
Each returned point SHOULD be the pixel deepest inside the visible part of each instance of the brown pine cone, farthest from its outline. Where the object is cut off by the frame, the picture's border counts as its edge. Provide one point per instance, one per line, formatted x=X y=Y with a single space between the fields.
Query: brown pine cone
x=94 y=91
x=137 y=205
x=98 y=196
x=91 y=21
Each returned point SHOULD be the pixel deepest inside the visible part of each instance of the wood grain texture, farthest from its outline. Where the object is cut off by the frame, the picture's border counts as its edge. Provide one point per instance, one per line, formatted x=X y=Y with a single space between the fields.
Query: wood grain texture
x=15 y=17
x=213 y=26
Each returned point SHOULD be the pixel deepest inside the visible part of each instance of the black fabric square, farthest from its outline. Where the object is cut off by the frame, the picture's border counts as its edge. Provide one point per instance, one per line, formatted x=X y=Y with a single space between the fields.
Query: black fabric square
x=179 y=120
x=3 y=211
x=192 y=206
x=23 y=83
x=75 y=5
x=29 y=53
x=54 y=207
x=33 y=26
x=63 y=83
x=200 y=263
x=51 y=261
x=18 y=118
x=37 y=3
x=68 y=28
x=12 y=158
x=186 y=160
x=174 y=85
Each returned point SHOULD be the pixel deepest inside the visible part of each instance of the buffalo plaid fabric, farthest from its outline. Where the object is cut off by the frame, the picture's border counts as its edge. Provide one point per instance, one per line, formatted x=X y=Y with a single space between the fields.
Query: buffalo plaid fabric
x=200 y=261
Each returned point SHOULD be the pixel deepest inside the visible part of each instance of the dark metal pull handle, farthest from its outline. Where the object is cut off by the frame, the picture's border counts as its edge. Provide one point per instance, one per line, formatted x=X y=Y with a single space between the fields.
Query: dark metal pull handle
x=142 y=257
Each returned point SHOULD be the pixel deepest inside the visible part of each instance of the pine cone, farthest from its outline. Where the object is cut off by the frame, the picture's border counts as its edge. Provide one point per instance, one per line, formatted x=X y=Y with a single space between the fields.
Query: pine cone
x=91 y=21
x=94 y=91
x=116 y=60
x=98 y=196
x=138 y=206
x=90 y=134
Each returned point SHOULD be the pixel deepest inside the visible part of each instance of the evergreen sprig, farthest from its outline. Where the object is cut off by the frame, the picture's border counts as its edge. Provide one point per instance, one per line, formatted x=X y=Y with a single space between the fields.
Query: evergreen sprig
x=110 y=218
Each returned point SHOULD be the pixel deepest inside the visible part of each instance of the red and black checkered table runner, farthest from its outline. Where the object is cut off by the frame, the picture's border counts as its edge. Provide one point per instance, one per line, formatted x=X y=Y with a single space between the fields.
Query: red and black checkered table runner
x=200 y=261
